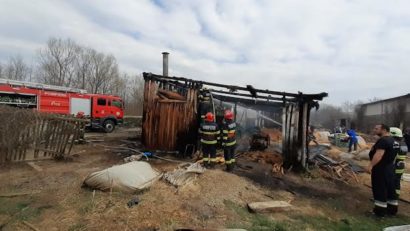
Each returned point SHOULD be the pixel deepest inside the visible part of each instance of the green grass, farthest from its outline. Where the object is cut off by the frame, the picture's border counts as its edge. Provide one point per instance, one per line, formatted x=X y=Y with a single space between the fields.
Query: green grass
x=22 y=210
x=350 y=223
x=253 y=222
x=358 y=222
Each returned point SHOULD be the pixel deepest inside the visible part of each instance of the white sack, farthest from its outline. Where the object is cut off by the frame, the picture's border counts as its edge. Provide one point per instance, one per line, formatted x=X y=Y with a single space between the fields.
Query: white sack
x=129 y=177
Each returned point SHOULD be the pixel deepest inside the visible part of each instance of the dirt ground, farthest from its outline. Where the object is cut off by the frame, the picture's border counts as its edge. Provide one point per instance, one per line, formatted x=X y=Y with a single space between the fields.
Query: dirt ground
x=217 y=199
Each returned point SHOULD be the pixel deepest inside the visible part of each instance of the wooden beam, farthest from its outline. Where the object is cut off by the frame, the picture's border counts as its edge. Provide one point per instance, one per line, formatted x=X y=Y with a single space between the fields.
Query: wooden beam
x=319 y=96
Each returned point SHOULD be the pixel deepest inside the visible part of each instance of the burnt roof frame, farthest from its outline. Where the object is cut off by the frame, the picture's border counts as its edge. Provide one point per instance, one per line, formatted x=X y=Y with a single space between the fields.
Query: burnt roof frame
x=285 y=97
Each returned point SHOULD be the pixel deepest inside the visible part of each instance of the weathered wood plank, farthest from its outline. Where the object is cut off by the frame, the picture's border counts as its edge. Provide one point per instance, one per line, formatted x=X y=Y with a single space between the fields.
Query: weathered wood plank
x=269 y=206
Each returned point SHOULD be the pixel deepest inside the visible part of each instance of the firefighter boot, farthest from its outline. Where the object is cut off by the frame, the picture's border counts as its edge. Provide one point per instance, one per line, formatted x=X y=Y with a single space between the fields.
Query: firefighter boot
x=231 y=167
x=379 y=211
x=391 y=210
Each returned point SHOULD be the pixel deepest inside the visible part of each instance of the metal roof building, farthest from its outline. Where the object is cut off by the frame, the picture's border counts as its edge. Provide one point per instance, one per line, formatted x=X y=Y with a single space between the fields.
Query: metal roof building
x=393 y=112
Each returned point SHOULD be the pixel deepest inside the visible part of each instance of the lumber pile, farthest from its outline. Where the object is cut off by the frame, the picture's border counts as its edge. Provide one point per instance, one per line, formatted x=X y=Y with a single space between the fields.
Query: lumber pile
x=333 y=170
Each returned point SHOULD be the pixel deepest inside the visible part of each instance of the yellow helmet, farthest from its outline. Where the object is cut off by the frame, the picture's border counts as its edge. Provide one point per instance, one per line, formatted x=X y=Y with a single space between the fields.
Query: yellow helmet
x=396 y=132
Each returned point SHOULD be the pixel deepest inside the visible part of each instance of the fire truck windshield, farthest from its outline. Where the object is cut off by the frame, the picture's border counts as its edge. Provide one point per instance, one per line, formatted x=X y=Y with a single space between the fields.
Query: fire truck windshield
x=117 y=103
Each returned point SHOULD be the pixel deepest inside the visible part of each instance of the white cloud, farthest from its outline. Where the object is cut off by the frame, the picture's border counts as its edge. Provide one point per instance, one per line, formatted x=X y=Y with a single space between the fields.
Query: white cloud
x=351 y=49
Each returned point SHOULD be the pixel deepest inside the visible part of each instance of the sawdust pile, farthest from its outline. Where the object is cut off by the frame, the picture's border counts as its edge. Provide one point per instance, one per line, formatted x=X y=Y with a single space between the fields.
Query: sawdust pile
x=334 y=153
x=274 y=134
x=322 y=137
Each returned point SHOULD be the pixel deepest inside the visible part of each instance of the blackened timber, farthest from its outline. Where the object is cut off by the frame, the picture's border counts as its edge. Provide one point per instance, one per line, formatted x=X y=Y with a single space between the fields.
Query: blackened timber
x=250 y=96
x=301 y=96
x=249 y=102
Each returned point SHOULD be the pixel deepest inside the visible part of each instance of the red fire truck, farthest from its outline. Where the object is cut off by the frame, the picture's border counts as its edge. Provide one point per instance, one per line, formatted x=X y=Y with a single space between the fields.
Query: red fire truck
x=104 y=111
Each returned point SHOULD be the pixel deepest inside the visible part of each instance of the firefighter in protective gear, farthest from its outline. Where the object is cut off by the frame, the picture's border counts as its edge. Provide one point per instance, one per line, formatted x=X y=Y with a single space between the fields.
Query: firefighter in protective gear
x=205 y=105
x=209 y=133
x=229 y=140
x=399 y=164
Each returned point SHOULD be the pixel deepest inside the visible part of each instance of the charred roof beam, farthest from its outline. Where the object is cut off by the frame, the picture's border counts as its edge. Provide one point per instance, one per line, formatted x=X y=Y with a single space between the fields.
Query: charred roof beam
x=302 y=97
x=269 y=97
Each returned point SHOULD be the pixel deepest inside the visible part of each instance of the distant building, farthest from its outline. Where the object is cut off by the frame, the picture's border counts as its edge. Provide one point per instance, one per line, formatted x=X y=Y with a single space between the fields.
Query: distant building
x=393 y=112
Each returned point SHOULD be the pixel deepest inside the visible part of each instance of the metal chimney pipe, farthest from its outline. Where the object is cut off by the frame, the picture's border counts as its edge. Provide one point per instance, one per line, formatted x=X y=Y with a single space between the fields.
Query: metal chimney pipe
x=165 y=63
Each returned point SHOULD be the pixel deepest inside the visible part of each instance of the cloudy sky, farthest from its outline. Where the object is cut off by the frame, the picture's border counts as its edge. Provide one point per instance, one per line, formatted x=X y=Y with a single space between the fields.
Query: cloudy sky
x=352 y=49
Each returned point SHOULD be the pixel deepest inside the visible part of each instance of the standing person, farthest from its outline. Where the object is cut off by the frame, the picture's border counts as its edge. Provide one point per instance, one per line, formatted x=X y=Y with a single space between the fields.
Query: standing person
x=407 y=139
x=209 y=133
x=229 y=140
x=399 y=164
x=205 y=104
x=381 y=168
x=352 y=139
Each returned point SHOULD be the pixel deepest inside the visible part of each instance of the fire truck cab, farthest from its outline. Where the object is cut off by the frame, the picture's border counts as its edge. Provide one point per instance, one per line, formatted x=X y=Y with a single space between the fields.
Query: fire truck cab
x=107 y=111
x=103 y=111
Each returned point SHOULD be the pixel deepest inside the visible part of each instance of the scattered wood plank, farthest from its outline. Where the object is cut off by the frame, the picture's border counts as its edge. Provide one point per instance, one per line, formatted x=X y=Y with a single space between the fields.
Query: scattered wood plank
x=35 y=166
x=269 y=206
x=19 y=194
x=30 y=226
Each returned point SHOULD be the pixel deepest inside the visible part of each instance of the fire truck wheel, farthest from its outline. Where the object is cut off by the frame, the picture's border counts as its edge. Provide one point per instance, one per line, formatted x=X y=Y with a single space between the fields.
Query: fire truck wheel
x=109 y=126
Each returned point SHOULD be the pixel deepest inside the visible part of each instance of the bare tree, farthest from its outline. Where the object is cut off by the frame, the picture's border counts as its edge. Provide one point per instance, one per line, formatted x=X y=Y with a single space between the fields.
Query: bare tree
x=104 y=69
x=83 y=68
x=119 y=86
x=16 y=69
x=327 y=116
x=134 y=100
x=58 y=60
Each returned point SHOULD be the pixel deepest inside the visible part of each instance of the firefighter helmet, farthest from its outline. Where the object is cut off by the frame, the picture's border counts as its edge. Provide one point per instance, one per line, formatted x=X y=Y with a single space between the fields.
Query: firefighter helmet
x=209 y=117
x=228 y=115
x=396 y=132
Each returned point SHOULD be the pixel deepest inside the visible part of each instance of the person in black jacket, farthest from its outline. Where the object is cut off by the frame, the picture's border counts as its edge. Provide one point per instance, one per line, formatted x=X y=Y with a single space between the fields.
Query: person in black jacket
x=381 y=168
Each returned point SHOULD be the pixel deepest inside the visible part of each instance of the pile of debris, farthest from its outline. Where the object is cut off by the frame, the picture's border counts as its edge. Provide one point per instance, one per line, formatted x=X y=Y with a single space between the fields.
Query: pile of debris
x=338 y=171
x=271 y=158
x=184 y=174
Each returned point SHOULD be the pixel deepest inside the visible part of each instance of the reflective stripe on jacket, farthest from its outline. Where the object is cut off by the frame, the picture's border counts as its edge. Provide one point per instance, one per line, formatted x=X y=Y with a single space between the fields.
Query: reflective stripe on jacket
x=209 y=133
x=229 y=133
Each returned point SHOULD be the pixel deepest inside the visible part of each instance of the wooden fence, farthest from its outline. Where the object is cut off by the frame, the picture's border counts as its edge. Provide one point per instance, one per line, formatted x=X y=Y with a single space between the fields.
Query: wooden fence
x=31 y=135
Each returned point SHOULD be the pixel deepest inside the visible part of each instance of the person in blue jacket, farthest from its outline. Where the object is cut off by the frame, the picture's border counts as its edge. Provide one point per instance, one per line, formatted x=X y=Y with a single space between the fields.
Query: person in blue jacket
x=352 y=139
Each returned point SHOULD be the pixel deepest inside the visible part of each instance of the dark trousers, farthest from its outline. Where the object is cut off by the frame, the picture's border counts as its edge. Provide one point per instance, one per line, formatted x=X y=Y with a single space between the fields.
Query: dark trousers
x=384 y=190
x=352 y=143
x=209 y=153
x=398 y=173
x=229 y=156
x=397 y=183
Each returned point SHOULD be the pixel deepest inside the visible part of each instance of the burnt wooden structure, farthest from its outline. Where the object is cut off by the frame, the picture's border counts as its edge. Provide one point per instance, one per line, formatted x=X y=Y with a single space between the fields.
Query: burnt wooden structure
x=169 y=114
x=170 y=122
